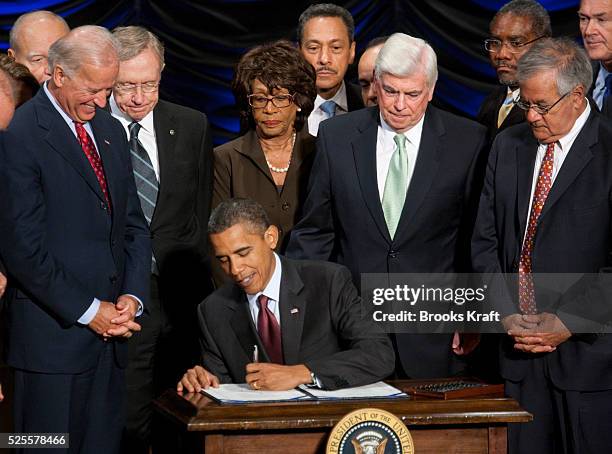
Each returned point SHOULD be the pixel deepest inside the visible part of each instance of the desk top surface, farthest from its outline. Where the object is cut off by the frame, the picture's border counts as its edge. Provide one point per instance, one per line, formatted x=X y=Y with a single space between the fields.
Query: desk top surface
x=198 y=412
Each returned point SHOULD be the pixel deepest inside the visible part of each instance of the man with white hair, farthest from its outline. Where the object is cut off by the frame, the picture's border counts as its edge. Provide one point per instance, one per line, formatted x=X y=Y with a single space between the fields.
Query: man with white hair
x=399 y=169
x=30 y=38
x=73 y=236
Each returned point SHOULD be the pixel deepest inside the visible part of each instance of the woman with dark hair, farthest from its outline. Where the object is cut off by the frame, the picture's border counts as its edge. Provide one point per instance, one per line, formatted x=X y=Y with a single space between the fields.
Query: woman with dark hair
x=275 y=90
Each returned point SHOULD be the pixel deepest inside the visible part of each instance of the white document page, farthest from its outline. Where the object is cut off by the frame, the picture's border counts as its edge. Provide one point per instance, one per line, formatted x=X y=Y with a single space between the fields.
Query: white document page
x=376 y=390
x=242 y=393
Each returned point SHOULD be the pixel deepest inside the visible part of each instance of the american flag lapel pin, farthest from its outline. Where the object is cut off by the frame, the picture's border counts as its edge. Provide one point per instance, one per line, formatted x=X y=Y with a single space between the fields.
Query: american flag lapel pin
x=172 y=132
x=295 y=310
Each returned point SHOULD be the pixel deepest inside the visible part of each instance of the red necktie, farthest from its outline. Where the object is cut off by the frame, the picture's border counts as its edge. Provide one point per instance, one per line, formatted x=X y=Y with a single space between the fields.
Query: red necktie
x=269 y=331
x=94 y=159
x=527 y=302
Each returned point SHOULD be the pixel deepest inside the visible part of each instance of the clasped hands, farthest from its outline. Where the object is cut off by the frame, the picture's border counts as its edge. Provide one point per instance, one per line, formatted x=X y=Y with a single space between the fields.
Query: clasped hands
x=259 y=376
x=539 y=333
x=116 y=320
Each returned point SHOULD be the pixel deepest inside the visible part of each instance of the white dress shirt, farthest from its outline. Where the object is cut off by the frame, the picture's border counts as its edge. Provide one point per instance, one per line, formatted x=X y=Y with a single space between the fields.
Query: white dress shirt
x=385 y=147
x=146 y=135
x=317 y=115
x=562 y=148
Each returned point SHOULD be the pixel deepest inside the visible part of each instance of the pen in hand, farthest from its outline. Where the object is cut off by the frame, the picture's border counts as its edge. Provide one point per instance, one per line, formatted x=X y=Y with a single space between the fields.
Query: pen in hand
x=255 y=354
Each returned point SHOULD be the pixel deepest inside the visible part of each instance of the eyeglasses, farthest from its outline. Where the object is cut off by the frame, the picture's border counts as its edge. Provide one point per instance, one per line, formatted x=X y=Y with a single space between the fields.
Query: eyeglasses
x=542 y=110
x=260 y=101
x=130 y=89
x=495 y=45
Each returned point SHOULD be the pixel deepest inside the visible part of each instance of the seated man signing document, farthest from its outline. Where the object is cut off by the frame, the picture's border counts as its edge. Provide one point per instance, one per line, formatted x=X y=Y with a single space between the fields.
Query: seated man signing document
x=302 y=317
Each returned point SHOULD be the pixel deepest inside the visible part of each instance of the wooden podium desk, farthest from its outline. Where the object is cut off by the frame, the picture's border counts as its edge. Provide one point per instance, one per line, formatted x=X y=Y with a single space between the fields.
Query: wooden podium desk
x=473 y=425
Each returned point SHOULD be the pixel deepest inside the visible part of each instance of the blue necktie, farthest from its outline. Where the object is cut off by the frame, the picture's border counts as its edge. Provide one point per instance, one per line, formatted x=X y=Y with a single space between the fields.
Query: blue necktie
x=608 y=89
x=329 y=107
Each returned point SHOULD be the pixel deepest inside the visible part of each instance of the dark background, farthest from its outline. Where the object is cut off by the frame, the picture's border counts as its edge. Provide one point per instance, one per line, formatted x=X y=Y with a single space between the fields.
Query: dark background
x=204 y=40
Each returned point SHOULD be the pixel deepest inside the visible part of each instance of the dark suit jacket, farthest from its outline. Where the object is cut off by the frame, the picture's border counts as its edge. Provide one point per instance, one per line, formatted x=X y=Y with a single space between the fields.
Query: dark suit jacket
x=489 y=110
x=354 y=101
x=574 y=236
x=326 y=333
x=343 y=218
x=178 y=227
x=241 y=171
x=62 y=246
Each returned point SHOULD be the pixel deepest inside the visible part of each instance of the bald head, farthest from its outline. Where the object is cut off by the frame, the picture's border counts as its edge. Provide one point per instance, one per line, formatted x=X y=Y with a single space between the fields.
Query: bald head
x=30 y=38
x=365 y=71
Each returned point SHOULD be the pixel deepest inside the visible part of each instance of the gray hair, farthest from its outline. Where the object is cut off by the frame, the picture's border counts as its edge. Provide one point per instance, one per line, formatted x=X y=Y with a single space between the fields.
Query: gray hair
x=89 y=44
x=326 y=10
x=404 y=55
x=540 y=20
x=238 y=210
x=24 y=18
x=134 y=39
x=569 y=61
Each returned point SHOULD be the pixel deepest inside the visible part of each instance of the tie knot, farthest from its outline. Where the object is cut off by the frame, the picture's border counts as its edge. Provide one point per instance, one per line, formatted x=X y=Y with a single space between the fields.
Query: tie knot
x=262 y=301
x=134 y=128
x=400 y=141
x=329 y=107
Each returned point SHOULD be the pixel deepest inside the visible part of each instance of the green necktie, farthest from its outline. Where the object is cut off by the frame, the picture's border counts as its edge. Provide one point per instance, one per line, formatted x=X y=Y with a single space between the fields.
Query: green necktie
x=396 y=185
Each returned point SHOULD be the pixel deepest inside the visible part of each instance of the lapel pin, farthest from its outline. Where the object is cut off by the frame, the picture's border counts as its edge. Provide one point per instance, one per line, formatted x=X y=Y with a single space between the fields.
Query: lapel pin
x=171 y=132
x=106 y=142
x=295 y=310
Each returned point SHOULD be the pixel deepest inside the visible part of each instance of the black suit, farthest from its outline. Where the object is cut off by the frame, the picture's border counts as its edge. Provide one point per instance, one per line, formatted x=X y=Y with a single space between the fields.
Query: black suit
x=489 y=111
x=321 y=327
x=343 y=218
x=64 y=248
x=167 y=344
x=573 y=236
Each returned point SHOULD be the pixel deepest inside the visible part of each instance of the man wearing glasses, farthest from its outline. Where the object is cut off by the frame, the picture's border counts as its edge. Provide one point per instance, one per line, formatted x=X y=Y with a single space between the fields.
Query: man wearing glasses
x=513 y=29
x=545 y=208
x=171 y=154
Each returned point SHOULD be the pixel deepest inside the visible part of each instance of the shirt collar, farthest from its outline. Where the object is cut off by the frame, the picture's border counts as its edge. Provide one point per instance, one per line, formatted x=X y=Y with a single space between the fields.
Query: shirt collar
x=146 y=123
x=339 y=98
x=272 y=290
x=566 y=141
x=413 y=134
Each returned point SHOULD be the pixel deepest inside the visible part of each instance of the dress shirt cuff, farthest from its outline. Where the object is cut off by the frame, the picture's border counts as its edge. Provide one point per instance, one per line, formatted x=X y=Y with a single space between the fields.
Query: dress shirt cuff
x=315 y=383
x=90 y=313
x=140 y=305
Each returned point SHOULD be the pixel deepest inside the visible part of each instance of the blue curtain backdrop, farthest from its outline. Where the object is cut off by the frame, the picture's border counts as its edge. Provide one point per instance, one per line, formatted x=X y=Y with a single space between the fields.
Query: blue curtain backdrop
x=204 y=40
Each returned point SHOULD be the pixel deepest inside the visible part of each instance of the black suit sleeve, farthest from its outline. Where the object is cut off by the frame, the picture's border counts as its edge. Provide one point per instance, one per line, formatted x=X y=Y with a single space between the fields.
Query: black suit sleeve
x=205 y=183
x=314 y=236
x=212 y=359
x=368 y=355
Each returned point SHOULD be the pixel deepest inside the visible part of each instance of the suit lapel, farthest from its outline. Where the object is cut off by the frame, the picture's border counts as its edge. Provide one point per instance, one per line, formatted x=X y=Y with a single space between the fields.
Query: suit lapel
x=525 y=153
x=61 y=138
x=243 y=326
x=292 y=307
x=364 y=153
x=425 y=170
x=166 y=134
x=249 y=147
x=577 y=158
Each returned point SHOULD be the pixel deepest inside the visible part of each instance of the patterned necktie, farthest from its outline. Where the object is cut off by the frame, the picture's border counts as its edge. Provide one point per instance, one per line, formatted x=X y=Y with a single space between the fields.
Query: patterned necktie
x=396 y=185
x=607 y=90
x=144 y=174
x=505 y=109
x=527 y=303
x=269 y=331
x=94 y=159
x=329 y=107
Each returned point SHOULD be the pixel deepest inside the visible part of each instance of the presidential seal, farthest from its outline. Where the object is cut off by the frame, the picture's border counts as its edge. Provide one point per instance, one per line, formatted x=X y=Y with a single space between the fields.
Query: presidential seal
x=370 y=431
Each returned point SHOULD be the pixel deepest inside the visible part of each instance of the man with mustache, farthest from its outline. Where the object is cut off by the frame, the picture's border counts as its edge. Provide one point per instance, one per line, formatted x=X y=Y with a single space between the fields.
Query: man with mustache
x=513 y=29
x=326 y=39
x=596 y=28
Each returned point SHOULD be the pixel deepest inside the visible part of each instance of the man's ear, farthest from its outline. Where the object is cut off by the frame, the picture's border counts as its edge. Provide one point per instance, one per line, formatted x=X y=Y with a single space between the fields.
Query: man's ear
x=271 y=236
x=58 y=76
x=11 y=53
x=352 y=51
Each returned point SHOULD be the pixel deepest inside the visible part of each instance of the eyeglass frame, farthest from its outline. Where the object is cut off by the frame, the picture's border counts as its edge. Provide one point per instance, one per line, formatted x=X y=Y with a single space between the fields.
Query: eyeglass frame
x=538 y=109
x=271 y=99
x=145 y=87
x=511 y=47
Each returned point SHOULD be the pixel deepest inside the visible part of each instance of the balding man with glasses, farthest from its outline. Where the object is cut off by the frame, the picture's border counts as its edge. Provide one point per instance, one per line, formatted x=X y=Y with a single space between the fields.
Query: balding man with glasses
x=545 y=208
x=171 y=153
x=513 y=29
